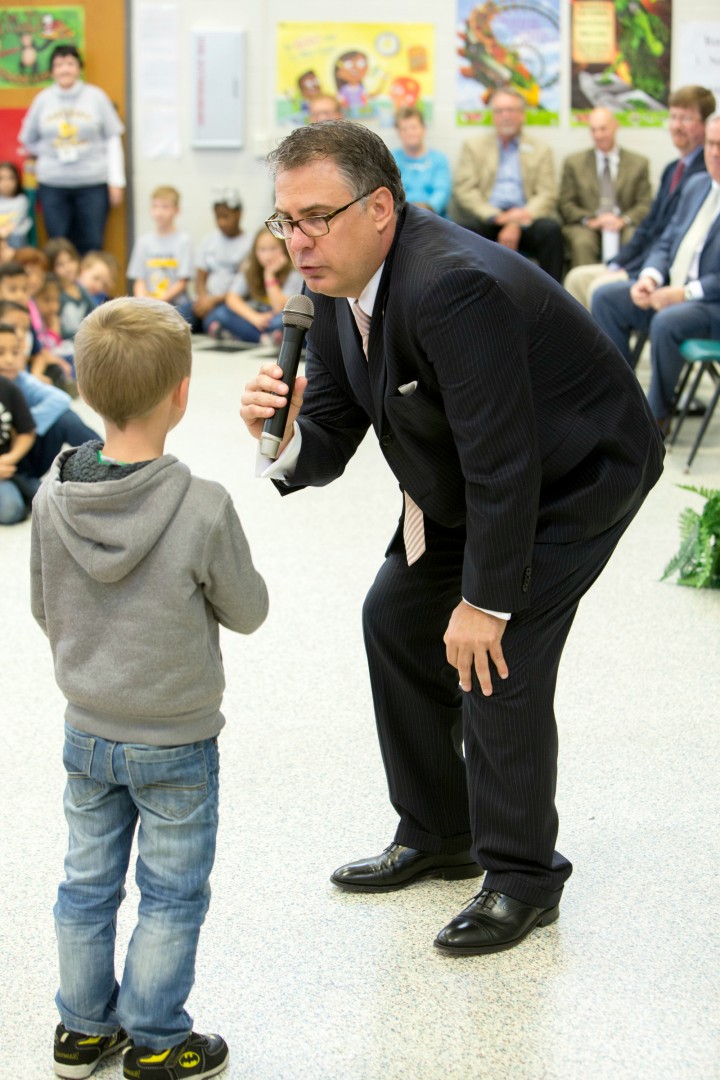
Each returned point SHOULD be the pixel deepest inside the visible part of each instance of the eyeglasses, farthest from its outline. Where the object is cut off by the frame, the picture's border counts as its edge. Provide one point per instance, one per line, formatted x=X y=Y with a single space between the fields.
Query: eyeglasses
x=317 y=225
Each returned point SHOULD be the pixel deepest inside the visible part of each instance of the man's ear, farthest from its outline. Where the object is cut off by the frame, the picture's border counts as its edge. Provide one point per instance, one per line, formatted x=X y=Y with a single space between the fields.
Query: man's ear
x=382 y=207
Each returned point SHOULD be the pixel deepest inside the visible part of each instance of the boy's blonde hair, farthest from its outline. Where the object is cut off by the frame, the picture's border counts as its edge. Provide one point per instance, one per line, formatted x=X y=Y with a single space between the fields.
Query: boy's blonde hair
x=165 y=191
x=129 y=354
x=105 y=257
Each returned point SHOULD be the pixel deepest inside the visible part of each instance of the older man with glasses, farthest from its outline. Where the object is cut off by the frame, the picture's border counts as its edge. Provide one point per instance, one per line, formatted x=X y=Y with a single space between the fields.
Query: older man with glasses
x=504 y=187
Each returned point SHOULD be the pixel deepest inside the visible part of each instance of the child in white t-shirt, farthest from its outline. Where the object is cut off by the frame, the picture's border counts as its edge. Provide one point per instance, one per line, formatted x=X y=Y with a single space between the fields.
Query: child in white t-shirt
x=219 y=257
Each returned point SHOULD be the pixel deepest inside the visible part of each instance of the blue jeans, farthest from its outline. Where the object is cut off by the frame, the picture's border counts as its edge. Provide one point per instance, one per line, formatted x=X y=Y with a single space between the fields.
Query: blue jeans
x=12 y=504
x=79 y=214
x=69 y=429
x=239 y=327
x=173 y=793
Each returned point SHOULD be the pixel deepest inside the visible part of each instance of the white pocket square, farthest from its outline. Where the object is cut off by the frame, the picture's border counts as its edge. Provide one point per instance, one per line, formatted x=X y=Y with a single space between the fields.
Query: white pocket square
x=407 y=388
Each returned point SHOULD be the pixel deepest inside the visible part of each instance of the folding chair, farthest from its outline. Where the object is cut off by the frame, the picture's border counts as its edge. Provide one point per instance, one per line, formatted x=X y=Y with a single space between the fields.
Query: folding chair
x=701 y=355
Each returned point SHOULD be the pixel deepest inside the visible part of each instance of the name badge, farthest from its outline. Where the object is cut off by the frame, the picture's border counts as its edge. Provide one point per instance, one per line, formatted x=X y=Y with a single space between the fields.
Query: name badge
x=67 y=155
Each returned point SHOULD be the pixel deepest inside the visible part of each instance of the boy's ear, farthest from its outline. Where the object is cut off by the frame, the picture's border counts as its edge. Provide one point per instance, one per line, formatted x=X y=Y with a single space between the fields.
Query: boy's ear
x=180 y=396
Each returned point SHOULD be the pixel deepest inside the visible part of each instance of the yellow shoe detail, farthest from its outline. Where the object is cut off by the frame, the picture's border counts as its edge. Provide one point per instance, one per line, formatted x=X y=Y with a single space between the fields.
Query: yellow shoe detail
x=189 y=1059
x=90 y=1040
x=154 y=1059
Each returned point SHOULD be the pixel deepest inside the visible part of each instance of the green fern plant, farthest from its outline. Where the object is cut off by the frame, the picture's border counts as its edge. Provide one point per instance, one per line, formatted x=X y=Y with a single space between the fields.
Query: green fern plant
x=697 y=563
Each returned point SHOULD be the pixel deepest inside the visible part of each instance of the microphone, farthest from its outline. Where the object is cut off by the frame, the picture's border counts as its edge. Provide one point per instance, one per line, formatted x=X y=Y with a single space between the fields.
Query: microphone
x=298 y=315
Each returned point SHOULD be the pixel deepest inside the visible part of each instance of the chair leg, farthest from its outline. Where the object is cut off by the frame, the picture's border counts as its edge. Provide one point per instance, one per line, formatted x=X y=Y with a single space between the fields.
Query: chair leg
x=703 y=427
x=677 y=396
x=686 y=406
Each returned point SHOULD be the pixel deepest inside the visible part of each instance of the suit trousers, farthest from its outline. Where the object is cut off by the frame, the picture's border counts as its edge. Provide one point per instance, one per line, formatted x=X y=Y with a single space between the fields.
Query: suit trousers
x=499 y=799
x=613 y=309
x=542 y=241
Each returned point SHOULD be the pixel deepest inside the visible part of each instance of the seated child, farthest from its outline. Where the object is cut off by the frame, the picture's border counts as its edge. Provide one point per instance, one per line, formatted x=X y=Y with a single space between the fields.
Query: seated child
x=161 y=261
x=15 y=220
x=219 y=257
x=55 y=421
x=98 y=275
x=17 y=434
x=36 y=266
x=75 y=302
x=135 y=564
x=15 y=290
x=253 y=306
x=47 y=302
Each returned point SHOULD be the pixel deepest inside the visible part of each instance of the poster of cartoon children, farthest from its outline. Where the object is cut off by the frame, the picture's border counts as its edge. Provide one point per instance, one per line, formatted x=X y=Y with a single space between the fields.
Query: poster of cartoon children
x=28 y=37
x=621 y=59
x=372 y=68
x=507 y=43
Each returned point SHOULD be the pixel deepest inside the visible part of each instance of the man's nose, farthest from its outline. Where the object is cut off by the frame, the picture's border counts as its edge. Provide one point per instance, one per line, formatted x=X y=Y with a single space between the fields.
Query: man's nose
x=298 y=241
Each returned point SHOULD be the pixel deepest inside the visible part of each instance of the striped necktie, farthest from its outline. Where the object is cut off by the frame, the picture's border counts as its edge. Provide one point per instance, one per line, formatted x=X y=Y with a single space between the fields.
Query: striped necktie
x=413 y=521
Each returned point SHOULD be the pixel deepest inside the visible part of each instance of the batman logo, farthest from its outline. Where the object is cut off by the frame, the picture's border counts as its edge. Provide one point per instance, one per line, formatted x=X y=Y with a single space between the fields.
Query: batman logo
x=189 y=1060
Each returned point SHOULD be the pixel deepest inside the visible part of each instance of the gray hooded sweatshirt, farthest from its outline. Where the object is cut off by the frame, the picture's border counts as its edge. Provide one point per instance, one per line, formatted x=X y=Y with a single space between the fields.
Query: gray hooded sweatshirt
x=130 y=579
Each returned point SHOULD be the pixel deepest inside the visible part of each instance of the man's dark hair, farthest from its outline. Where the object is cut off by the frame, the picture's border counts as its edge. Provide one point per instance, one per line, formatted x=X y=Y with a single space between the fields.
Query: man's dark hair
x=361 y=156
x=65 y=50
x=12 y=269
x=693 y=97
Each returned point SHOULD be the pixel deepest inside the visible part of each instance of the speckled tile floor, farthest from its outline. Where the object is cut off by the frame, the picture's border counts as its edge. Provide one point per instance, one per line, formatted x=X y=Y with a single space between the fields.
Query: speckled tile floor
x=307 y=983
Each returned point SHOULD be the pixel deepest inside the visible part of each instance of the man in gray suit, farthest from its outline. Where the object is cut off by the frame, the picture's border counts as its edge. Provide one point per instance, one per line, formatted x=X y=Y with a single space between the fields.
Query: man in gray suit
x=604 y=194
x=677 y=292
x=504 y=187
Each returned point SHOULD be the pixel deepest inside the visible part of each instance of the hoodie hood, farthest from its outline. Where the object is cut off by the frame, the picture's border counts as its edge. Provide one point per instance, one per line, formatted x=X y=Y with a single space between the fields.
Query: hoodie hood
x=110 y=526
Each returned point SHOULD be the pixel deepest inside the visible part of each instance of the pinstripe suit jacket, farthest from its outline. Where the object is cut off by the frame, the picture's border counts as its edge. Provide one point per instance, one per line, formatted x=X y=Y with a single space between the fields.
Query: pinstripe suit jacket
x=526 y=425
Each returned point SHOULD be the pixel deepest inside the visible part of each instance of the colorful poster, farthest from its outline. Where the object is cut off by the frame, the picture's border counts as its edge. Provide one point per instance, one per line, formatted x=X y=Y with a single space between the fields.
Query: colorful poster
x=28 y=37
x=372 y=68
x=506 y=43
x=621 y=59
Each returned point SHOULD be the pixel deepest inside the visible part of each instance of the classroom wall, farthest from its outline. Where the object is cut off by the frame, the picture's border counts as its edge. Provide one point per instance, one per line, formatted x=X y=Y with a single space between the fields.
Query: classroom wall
x=195 y=172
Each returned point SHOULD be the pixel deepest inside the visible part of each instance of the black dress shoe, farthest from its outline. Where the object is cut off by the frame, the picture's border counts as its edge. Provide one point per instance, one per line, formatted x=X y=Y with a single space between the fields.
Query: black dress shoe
x=492 y=922
x=398 y=866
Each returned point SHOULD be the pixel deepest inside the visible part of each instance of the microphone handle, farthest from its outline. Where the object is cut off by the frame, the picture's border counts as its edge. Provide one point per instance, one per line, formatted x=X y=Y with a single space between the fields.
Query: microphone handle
x=288 y=360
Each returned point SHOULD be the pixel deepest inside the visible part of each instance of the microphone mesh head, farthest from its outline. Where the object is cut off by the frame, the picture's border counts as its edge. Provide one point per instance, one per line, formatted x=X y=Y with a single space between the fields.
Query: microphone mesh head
x=299 y=311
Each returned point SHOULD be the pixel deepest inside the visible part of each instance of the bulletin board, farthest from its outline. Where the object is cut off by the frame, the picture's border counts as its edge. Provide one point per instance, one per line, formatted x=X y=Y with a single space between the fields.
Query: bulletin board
x=29 y=31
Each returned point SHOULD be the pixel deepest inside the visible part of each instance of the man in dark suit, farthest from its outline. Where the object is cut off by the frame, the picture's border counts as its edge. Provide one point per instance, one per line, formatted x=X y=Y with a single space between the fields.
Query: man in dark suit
x=690 y=107
x=677 y=292
x=523 y=447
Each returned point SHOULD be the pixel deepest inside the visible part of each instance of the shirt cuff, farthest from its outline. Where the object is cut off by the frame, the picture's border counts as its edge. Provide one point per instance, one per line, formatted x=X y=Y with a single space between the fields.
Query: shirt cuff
x=115 y=162
x=488 y=611
x=651 y=272
x=283 y=467
x=694 y=290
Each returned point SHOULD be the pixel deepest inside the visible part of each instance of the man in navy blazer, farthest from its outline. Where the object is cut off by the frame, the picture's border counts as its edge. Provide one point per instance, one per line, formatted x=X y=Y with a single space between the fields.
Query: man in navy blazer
x=524 y=444
x=689 y=108
x=673 y=309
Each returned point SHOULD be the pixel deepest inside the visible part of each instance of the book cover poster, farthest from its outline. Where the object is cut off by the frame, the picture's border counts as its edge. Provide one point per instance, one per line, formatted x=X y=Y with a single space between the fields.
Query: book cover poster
x=28 y=36
x=621 y=59
x=505 y=43
x=372 y=68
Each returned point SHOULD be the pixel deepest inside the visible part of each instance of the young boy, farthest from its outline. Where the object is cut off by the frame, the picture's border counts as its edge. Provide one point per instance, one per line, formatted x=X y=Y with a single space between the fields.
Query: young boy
x=219 y=257
x=17 y=434
x=161 y=261
x=98 y=273
x=134 y=565
x=55 y=422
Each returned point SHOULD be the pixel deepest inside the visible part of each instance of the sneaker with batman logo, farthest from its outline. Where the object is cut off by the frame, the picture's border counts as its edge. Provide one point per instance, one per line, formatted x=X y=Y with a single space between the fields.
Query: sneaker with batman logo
x=77 y=1056
x=198 y=1057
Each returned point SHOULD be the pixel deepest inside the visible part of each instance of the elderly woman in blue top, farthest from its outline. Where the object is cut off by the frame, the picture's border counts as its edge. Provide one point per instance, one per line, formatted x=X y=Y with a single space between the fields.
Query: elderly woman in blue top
x=426 y=174
x=73 y=130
